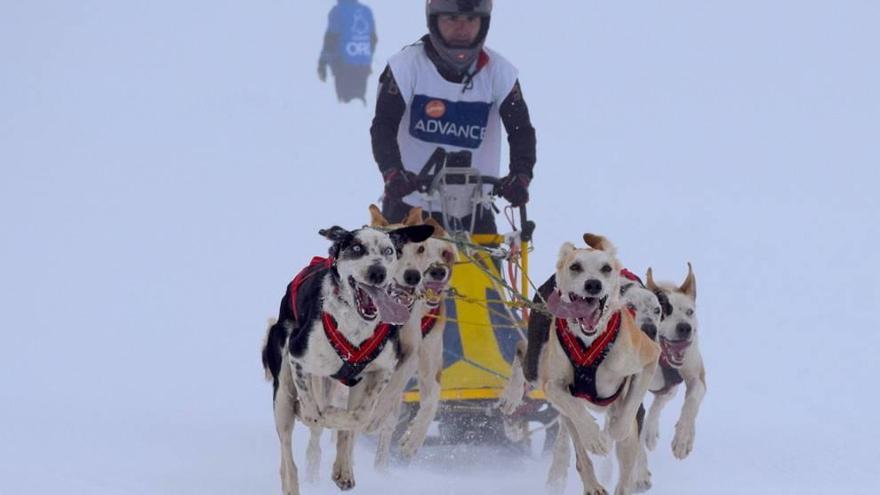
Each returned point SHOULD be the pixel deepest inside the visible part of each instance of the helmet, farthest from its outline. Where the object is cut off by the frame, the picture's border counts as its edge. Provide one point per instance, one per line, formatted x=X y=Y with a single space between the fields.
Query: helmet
x=459 y=58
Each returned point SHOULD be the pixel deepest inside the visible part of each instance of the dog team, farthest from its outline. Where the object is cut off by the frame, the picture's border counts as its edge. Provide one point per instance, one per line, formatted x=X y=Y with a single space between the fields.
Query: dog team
x=354 y=327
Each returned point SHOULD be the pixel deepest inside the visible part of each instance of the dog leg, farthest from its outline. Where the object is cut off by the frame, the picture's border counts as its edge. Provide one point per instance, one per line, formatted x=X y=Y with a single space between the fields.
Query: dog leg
x=313 y=454
x=642 y=478
x=391 y=396
x=623 y=416
x=308 y=409
x=627 y=456
x=430 y=369
x=685 y=428
x=343 y=470
x=285 y=414
x=383 y=447
x=556 y=478
x=361 y=401
x=583 y=464
x=652 y=421
x=512 y=395
x=585 y=428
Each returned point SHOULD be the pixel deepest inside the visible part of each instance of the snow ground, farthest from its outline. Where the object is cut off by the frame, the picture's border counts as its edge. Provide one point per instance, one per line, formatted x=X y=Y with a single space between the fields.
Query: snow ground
x=166 y=166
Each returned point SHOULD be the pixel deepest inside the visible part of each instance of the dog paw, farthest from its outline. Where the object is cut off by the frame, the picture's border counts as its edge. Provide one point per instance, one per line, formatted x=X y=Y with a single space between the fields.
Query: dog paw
x=642 y=482
x=409 y=446
x=652 y=434
x=683 y=442
x=508 y=403
x=595 y=490
x=343 y=477
x=595 y=440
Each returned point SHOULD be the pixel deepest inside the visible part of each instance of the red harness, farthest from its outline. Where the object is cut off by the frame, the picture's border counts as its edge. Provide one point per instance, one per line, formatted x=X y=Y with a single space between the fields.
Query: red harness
x=429 y=321
x=316 y=266
x=586 y=360
x=355 y=358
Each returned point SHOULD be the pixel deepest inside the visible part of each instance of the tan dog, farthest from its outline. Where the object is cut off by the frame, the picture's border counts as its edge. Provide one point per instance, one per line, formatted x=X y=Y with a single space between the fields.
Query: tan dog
x=421 y=346
x=596 y=356
x=680 y=361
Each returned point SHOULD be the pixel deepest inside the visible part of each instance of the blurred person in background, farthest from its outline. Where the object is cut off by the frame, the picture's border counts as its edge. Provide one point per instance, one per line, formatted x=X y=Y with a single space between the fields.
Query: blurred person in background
x=448 y=91
x=349 y=44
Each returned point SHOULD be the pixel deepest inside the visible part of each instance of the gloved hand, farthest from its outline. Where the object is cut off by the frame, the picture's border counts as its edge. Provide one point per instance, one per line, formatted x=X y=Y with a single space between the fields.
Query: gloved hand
x=399 y=182
x=515 y=188
x=322 y=71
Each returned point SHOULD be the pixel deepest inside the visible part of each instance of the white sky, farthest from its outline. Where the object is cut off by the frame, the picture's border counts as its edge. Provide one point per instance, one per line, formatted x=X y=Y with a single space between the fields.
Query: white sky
x=165 y=167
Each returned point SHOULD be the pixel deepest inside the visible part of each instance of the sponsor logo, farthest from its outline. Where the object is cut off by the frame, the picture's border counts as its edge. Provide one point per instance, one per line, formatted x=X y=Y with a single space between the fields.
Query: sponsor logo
x=435 y=109
x=355 y=48
x=454 y=123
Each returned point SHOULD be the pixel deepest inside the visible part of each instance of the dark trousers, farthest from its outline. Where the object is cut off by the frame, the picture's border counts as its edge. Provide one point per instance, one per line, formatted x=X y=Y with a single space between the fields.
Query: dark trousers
x=396 y=210
x=351 y=81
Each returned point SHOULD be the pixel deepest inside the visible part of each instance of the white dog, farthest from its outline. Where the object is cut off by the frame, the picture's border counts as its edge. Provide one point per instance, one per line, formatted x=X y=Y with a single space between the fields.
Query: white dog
x=336 y=321
x=596 y=356
x=422 y=341
x=680 y=361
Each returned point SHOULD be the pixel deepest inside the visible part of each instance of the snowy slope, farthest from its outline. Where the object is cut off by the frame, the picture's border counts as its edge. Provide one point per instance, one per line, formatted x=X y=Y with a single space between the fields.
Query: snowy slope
x=166 y=166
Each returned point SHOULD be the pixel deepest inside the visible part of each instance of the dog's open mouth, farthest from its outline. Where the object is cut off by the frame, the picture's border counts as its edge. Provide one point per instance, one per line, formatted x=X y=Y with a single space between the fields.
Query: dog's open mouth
x=674 y=350
x=587 y=311
x=374 y=302
x=433 y=292
x=404 y=295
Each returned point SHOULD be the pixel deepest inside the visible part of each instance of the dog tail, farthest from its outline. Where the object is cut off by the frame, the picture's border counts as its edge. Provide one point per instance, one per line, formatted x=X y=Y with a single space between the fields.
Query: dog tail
x=268 y=355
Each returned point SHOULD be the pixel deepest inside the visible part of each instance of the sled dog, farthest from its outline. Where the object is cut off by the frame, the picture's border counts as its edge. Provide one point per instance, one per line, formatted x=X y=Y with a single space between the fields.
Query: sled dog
x=680 y=361
x=595 y=357
x=337 y=322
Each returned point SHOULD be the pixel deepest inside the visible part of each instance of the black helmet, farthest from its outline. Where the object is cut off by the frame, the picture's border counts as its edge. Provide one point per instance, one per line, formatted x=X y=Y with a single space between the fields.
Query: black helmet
x=457 y=57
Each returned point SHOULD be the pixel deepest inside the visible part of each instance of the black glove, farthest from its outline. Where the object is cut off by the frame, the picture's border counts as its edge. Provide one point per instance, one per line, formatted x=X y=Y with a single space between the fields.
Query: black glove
x=399 y=182
x=515 y=188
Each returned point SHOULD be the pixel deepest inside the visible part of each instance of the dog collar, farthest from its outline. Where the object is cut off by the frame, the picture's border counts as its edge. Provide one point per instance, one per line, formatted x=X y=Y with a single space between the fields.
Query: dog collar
x=429 y=321
x=355 y=358
x=586 y=359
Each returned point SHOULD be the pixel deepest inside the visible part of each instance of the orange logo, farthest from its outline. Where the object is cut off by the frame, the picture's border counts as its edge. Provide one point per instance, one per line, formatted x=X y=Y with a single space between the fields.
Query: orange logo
x=435 y=109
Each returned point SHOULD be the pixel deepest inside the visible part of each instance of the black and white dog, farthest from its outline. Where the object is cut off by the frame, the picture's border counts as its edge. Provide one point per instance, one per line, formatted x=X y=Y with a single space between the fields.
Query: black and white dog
x=337 y=322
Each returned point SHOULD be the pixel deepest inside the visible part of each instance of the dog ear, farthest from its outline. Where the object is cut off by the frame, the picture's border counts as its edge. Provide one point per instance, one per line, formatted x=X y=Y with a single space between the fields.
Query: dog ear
x=376 y=217
x=338 y=236
x=413 y=233
x=414 y=217
x=689 y=286
x=564 y=250
x=600 y=243
x=650 y=284
x=439 y=231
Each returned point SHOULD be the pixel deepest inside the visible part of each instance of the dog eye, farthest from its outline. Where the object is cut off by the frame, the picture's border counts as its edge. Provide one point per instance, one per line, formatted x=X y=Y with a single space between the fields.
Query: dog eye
x=420 y=250
x=606 y=268
x=631 y=306
x=447 y=256
x=689 y=312
x=656 y=311
x=576 y=267
x=357 y=249
x=388 y=251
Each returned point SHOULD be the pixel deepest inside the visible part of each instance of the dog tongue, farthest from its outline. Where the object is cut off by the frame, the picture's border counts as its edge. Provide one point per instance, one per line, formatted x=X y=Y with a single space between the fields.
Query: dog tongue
x=435 y=286
x=390 y=311
x=563 y=309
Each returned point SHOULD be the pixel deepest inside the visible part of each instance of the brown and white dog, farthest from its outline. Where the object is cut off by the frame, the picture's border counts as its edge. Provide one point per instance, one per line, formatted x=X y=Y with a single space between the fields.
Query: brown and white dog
x=680 y=361
x=422 y=347
x=596 y=356
x=337 y=322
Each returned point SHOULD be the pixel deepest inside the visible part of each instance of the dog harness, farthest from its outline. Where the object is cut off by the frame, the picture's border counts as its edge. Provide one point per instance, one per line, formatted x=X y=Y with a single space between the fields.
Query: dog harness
x=671 y=376
x=631 y=276
x=318 y=266
x=355 y=359
x=429 y=321
x=586 y=360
